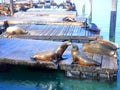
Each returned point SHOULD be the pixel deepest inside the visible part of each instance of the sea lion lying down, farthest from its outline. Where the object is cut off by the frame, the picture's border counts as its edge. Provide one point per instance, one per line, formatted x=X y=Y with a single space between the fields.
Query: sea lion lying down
x=102 y=47
x=55 y=54
x=80 y=58
x=69 y=19
x=15 y=30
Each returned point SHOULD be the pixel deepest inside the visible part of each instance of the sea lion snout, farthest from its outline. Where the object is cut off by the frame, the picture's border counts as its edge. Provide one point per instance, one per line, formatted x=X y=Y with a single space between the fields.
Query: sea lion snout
x=68 y=43
x=51 y=55
x=61 y=49
x=75 y=47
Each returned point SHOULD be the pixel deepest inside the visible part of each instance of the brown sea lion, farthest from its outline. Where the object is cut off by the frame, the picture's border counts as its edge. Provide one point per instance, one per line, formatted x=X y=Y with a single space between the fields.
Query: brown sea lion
x=100 y=47
x=81 y=58
x=5 y=25
x=15 y=30
x=69 y=19
x=45 y=56
x=55 y=54
x=109 y=44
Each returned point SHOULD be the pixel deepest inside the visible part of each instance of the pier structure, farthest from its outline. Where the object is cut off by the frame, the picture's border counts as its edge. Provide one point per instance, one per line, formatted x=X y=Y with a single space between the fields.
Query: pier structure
x=45 y=33
x=15 y=51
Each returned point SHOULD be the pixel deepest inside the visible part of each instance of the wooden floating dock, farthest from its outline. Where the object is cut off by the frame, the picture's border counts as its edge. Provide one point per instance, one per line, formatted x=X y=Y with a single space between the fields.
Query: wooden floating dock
x=46 y=12
x=58 y=33
x=16 y=51
x=41 y=20
x=44 y=25
x=43 y=16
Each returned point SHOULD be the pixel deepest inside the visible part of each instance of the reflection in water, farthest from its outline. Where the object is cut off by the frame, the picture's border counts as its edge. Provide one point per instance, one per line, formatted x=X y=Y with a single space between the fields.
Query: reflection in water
x=21 y=78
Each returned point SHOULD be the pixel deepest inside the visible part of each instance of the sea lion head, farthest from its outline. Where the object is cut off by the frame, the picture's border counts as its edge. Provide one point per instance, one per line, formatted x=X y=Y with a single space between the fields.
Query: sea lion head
x=67 y=43
x=60 y=49
x=69 y=19
x=5 y=25
x=74 y=50
x=75 y=47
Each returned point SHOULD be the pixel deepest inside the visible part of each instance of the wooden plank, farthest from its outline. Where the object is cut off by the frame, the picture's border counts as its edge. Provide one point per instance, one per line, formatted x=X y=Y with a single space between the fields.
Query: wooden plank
x=98 y=58
x=41 y=20
x=54 y=30
x=66 y=30
x=19 y=51
x=80 y=31
x=75 y=31
x=58 y=32
x=51 y=29
x=69 y=33
x=109 y=63
x=11 y=47
x=53 y=13
x=43 y=30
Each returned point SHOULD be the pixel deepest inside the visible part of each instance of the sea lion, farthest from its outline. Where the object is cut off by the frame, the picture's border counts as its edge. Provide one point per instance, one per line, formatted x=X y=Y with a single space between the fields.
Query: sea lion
x=93 y=27
x=100 y=47
x=45 y=56
x=69 y=19
x=55 y=54
x=109 y=44
x=5 y=25
x=81 y=58
x=15 y=30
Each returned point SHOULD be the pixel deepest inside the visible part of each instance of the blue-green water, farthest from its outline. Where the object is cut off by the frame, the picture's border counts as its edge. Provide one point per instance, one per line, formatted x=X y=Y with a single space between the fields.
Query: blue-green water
x=24 y=79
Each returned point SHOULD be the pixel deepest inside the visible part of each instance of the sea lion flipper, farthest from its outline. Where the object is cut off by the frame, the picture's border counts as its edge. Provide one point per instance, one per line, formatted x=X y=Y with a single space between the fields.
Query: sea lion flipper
x=74 y=62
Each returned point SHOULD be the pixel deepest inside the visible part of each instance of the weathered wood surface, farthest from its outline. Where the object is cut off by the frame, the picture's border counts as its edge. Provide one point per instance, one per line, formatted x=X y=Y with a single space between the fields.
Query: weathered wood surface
x=19 y=51
x=47 y=12
x=40 y=20
x=58 y=32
